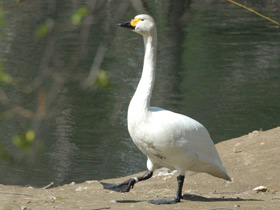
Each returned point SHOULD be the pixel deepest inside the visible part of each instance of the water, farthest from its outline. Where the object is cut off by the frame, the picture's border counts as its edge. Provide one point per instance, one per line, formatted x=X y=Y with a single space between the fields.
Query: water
x=216 y=63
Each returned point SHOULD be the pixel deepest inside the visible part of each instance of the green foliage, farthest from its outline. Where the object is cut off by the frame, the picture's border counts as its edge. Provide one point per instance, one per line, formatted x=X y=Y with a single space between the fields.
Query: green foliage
x=24 y=141
x=4 y=77
x=44 y=29
x=102 y=79
x=78 y=16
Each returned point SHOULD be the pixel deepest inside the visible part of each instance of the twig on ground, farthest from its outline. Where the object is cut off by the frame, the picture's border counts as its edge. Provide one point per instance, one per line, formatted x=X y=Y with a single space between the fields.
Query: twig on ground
x=48 y=186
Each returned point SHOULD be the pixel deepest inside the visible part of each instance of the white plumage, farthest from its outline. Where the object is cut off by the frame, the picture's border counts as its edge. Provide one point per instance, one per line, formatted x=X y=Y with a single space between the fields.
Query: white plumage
x=167 y=138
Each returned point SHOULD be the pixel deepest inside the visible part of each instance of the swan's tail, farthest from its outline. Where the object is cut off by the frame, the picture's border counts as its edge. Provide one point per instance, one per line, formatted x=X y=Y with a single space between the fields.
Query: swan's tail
x=220 y=172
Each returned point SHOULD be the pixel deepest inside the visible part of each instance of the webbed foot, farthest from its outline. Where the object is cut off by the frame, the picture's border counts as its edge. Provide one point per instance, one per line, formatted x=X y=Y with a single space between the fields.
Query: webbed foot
x=120 y=187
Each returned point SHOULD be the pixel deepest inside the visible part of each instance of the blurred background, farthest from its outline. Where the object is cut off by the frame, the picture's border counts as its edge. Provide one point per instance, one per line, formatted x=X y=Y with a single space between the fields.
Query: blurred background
x=68 y=72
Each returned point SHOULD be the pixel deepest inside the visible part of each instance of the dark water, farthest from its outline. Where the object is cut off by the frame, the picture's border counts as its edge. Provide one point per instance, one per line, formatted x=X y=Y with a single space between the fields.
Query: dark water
x=216 y=63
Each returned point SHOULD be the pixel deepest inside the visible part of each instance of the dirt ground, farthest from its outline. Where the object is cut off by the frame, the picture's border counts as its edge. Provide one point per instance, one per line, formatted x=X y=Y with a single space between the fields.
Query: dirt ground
x=252 y=160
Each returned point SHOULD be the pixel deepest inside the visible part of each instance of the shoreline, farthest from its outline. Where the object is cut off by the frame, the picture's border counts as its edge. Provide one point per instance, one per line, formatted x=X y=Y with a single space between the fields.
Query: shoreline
x=252 y=161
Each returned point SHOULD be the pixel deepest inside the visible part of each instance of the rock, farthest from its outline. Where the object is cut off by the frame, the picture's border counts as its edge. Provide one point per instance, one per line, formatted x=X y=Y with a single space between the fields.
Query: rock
x=260 y=189
x=90 y=182
x=164 y=172
x=237 y=148
x=53 y=199
x=254 y=133
x=79 y=189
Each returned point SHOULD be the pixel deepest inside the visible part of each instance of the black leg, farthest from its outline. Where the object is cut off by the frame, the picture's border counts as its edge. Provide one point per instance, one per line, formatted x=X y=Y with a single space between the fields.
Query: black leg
x=180 y=180
x=128 y=184
x=146 y=176
x=178 y=196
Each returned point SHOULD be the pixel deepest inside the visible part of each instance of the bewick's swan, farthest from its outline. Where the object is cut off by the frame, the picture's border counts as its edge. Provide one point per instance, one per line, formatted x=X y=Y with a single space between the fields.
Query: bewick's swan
x=167 y=138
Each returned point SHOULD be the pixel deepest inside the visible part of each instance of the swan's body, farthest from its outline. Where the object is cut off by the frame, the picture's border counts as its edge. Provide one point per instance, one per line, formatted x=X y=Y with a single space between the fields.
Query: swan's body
x=177 y=142
x=167 y=139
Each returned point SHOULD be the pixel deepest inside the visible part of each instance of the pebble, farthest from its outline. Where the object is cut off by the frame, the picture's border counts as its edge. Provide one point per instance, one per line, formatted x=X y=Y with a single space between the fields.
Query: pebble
x=260 y=189
x=164 y=172
x=90 y=182
x=53 y=199
x=79 y=189
x=254 y=133
x=237 y=148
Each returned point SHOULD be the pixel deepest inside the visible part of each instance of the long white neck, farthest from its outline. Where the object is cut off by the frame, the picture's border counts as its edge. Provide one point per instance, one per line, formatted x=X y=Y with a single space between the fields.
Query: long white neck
x=140 y=102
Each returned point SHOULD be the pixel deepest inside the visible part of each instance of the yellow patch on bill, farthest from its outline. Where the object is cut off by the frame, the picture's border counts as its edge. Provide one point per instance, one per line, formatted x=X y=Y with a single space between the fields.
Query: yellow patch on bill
x=134 y=22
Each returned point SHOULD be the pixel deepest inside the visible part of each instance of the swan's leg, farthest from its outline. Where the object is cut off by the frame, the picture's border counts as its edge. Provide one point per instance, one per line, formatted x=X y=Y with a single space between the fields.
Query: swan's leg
x=128 y=184
x=180 y=180
x=178 y=196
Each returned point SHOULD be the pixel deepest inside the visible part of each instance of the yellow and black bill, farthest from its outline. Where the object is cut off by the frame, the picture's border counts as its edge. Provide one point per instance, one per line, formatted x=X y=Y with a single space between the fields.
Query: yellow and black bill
x=131 y=24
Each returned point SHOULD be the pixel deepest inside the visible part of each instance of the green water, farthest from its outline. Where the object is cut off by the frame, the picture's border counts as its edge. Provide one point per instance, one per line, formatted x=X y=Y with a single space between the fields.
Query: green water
x=217 y=63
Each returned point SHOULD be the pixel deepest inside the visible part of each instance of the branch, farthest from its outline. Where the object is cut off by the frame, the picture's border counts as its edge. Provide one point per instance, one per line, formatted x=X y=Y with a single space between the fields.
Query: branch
x=255 y=12
x=13 y=107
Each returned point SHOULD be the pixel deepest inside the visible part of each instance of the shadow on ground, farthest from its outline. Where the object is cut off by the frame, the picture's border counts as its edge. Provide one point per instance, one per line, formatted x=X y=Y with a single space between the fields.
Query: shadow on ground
x=193 y=197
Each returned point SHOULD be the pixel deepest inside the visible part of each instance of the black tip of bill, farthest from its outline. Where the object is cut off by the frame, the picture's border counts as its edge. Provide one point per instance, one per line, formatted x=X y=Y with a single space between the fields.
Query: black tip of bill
x=126 y=25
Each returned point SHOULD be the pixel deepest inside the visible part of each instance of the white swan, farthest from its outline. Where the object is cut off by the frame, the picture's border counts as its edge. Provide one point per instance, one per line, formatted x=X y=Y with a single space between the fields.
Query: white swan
x=167 y=139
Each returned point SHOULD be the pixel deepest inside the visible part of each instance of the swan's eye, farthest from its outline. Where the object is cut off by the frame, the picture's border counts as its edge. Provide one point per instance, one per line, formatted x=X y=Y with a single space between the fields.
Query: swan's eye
x=142 y=19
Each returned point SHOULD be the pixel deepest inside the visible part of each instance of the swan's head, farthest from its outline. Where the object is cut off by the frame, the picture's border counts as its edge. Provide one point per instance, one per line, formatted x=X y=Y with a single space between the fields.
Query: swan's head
x=142 y=24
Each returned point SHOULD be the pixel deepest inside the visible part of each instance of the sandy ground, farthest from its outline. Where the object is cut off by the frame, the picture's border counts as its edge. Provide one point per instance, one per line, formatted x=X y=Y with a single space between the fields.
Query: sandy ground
x=252 y=160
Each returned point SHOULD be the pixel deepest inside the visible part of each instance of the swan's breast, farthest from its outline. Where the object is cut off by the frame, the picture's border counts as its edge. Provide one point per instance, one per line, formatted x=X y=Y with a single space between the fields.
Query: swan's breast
x=161 y=134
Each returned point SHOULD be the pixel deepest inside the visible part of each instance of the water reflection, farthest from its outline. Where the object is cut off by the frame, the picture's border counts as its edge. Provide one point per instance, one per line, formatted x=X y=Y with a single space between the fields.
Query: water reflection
x=61 y=152
x=216 y=63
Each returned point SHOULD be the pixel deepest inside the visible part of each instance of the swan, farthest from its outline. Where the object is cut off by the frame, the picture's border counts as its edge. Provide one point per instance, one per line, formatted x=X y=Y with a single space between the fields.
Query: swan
x=167 y=138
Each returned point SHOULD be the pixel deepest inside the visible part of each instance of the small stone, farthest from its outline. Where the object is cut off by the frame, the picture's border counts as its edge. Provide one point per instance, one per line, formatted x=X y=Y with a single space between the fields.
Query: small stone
x=236 y=206
x=79 y=189
x=260 y=189
x=53 y=199
x=254 y=133
x=72 y=183
x=90 y=182
x=237 y=148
